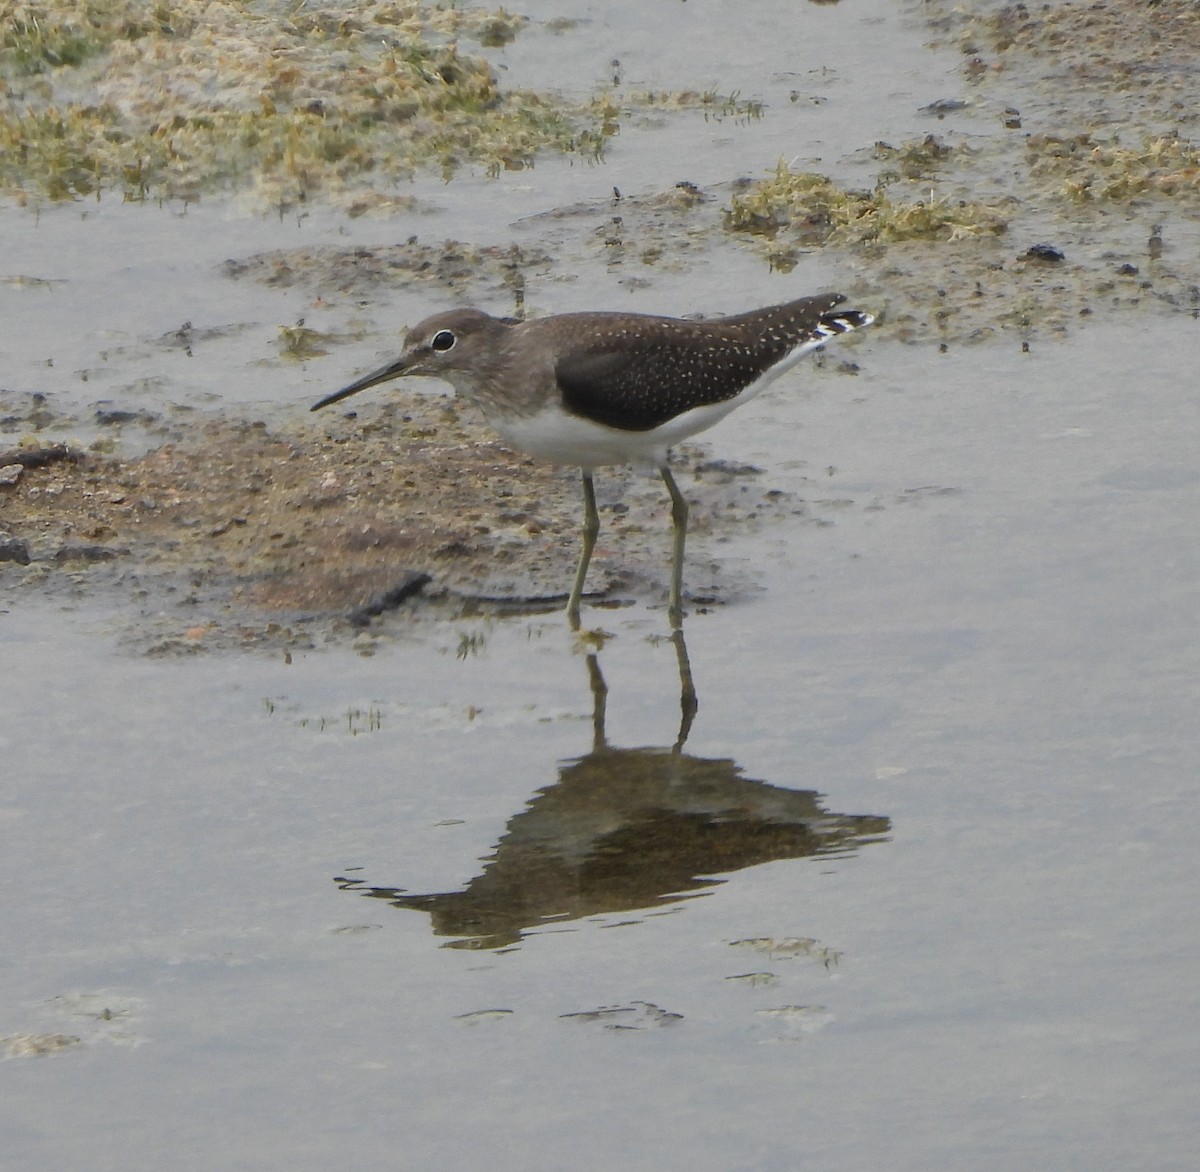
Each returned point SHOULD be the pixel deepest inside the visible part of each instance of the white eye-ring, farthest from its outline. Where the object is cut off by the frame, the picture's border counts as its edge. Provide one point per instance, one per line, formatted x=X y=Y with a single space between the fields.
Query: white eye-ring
x=442 y=341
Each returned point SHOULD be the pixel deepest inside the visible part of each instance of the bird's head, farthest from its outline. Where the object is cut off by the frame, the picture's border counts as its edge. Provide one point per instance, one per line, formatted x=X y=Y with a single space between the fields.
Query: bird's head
x=458 y=346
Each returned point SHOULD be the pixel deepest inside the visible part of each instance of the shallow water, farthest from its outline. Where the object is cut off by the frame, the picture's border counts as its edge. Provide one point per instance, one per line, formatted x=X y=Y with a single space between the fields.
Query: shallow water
x=1002 y=672
x=936 y=807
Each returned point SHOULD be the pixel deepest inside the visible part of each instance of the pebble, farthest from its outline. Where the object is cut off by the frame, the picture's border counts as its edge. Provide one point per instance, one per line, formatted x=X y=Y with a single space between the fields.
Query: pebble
x=12 y=549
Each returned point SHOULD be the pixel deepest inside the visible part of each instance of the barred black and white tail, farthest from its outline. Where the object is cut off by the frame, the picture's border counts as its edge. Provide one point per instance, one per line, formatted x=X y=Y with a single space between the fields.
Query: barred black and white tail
x=841 y=321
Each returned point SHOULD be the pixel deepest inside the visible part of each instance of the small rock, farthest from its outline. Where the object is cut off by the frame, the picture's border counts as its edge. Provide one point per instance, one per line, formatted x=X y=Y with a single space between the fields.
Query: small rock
x=11 y=473
x=943 y=106
x=1046 y=253
x=13 y=550
x=114 y=416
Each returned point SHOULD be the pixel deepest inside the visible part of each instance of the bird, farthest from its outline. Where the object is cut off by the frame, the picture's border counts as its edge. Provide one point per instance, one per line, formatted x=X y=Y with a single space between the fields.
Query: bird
x=597 y=389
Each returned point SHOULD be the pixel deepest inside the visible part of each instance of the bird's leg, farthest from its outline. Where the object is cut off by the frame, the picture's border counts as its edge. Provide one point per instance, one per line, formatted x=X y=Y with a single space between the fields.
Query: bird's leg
x=688 y=703
x=599 y=701
x=591 y=528
x=679 y=516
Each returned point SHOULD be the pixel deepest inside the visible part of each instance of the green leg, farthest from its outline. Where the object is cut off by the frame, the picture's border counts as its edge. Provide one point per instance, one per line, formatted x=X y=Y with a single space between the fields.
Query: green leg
x=679 y=515
x=591 y=528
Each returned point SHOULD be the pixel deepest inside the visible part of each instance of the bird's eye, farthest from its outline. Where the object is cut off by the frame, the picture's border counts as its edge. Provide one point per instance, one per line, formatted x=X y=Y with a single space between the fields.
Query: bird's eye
x=442 y=341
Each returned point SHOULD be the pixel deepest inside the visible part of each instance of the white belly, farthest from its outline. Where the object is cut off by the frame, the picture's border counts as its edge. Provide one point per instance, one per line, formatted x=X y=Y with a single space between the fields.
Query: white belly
x=569 y=439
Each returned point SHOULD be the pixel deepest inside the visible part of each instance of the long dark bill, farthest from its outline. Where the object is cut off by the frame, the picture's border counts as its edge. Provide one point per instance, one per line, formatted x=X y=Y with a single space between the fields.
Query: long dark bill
x=382 y=375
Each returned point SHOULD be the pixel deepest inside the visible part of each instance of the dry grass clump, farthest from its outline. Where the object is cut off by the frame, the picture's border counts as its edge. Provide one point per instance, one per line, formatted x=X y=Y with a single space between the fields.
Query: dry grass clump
x=811 y=209
x=167 y=101
x=1089 y=170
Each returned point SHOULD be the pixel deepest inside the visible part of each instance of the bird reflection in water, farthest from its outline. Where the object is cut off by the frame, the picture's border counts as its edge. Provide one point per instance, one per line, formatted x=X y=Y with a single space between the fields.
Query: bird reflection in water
x=625 y=829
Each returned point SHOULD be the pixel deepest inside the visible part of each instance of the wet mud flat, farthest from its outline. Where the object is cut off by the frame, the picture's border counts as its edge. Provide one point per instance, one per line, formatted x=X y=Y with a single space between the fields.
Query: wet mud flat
x=234 y=532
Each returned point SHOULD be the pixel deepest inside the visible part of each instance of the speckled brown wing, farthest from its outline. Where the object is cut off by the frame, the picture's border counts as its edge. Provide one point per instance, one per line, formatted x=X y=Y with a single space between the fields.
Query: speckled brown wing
x=649 y=381
x=641 y=379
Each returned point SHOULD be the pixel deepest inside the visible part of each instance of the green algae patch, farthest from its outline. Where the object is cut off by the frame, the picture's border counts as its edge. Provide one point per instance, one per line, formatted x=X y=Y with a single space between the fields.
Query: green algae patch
x=806 y=209
x=36 y=38
x=161 y=102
